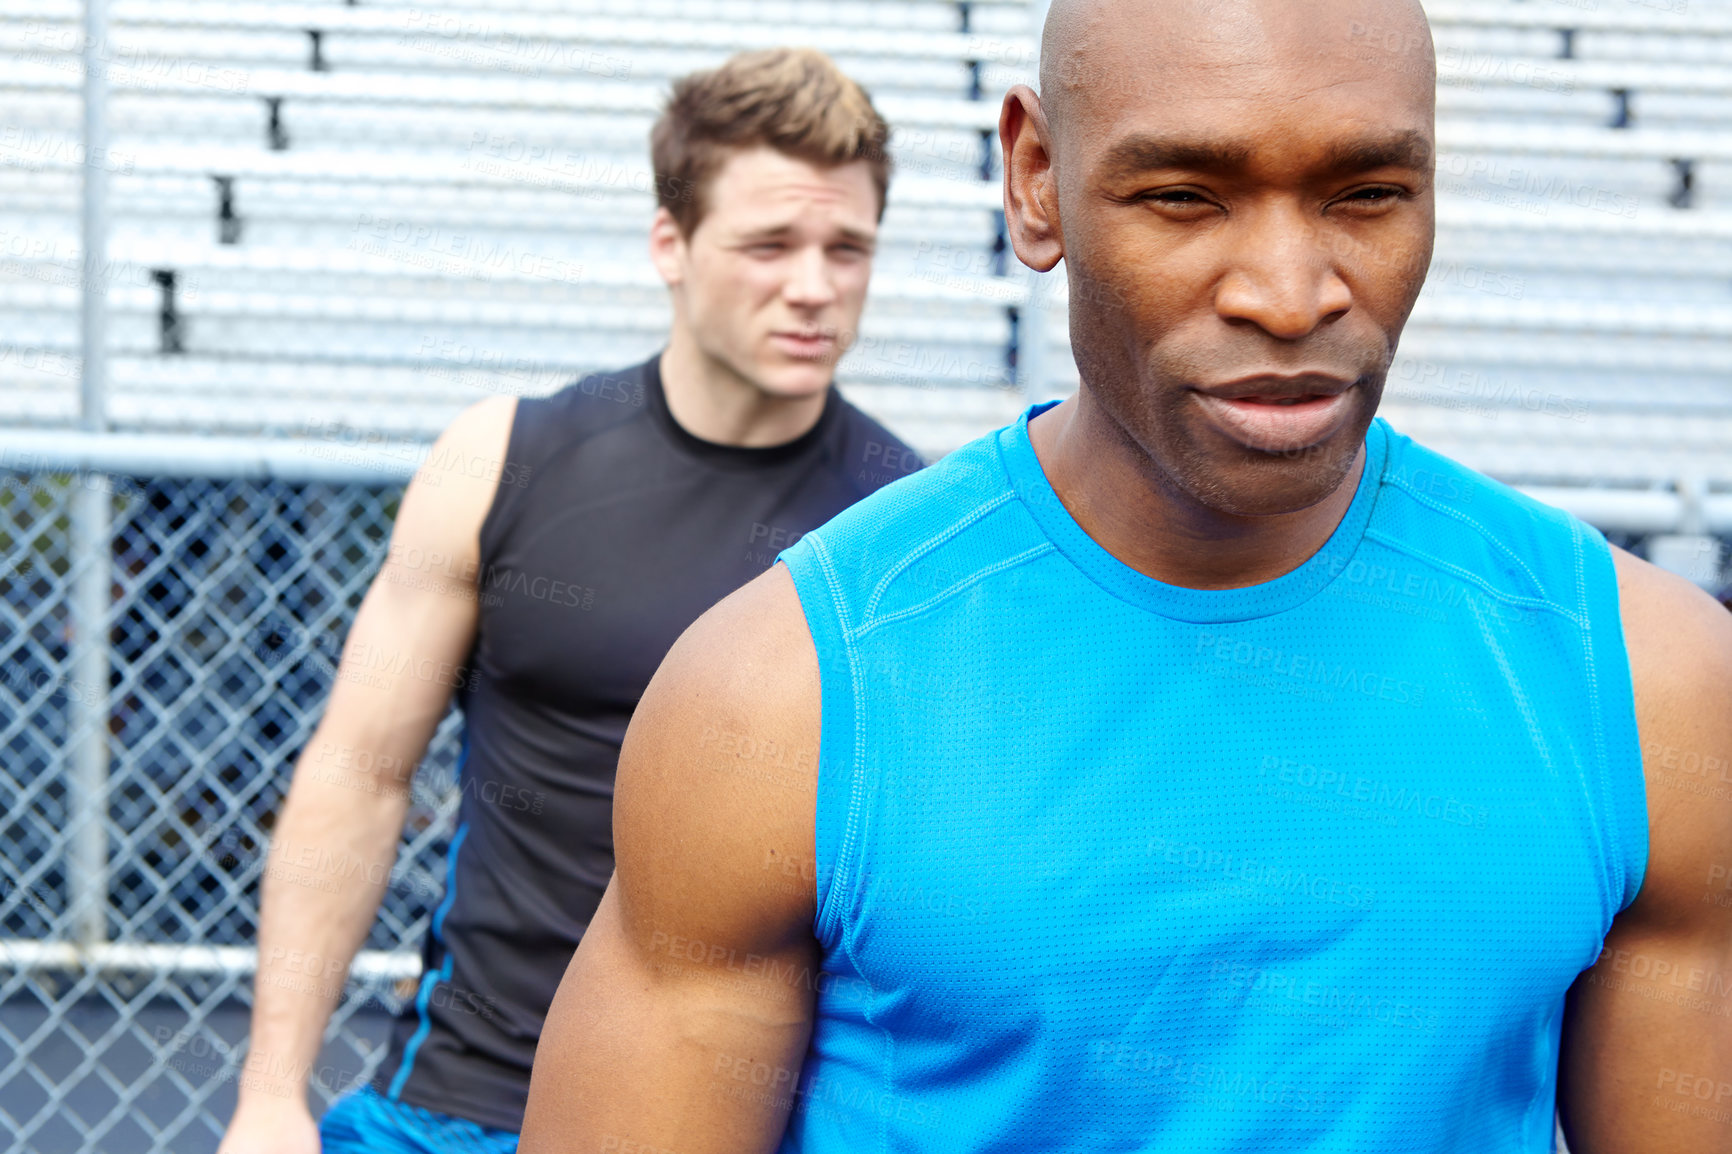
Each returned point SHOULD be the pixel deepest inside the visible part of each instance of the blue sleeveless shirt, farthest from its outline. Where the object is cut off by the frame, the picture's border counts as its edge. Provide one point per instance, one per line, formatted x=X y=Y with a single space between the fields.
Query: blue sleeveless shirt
x=1106 y=864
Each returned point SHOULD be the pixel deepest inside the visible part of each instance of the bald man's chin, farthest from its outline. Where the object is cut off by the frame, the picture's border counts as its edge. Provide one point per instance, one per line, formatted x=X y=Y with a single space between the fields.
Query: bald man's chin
x=1273 y=486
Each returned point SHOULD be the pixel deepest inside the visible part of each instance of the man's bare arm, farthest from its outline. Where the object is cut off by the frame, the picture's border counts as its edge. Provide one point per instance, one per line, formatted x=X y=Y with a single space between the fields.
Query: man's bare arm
x=335 y=842
x=683 y=1020
x=1647 y=1060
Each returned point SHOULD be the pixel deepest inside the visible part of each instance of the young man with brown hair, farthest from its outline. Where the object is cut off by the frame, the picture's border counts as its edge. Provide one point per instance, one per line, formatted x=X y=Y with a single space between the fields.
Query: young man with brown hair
x=622 y=507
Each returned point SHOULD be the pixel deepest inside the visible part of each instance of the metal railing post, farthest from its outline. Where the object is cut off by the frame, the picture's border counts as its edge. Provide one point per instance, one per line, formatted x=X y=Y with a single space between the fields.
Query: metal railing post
x=91 y=514
x=87 y=871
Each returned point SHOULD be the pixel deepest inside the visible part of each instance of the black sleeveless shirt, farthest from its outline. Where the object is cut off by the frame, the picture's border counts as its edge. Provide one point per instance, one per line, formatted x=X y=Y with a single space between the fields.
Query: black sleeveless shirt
x=612 y=529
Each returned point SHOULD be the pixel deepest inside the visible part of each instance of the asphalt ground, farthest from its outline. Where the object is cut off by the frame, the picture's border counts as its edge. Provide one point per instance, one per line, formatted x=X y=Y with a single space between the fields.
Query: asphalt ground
x=88 y=1054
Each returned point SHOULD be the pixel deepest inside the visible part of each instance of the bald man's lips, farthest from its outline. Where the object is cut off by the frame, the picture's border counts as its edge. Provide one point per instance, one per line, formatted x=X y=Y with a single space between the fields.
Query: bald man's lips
x=1279 y=414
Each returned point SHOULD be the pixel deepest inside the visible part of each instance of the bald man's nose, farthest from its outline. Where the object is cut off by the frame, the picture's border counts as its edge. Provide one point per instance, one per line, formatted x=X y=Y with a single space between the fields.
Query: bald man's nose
x=1282 y=278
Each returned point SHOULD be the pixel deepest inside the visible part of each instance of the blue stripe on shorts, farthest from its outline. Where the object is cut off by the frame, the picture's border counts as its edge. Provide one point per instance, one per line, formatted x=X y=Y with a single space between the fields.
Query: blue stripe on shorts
x=365 y=1122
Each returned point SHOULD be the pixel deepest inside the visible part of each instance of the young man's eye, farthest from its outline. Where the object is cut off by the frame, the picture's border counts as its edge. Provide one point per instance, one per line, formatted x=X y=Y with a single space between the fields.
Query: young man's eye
x=1374 y=195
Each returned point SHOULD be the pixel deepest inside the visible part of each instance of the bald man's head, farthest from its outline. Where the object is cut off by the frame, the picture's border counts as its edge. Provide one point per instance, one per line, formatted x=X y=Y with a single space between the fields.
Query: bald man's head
x=1137 y=49
x=1241 y=192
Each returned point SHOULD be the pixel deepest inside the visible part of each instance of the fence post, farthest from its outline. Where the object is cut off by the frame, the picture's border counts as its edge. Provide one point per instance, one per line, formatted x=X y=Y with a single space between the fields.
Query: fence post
x=87 y=871
x=91 y=513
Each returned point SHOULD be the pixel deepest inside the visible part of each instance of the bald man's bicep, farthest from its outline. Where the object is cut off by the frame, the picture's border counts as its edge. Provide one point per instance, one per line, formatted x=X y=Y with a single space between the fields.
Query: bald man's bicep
x=1647 y=1061
x=683 y=1020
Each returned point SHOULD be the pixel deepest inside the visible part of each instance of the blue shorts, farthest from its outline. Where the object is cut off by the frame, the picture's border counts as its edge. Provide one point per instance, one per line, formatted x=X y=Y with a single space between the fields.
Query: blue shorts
x=364 y=1122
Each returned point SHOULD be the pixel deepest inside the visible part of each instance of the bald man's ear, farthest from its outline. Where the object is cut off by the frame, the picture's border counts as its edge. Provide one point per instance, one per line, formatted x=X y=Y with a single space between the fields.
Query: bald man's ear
x=1030 y=187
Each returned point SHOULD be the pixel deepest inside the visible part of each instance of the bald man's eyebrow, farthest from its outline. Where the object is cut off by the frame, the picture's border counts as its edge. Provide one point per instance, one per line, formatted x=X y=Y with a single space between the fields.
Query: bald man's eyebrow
x=1136 y=154
x=1410 y=149
x=1142 y=153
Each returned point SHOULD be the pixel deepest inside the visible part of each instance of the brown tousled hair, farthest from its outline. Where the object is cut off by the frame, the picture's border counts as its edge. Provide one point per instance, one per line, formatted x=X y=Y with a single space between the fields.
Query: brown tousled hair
x=795 y=100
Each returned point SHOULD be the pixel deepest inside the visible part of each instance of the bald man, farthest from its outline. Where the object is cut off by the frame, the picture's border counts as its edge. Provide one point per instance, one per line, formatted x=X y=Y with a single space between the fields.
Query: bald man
x=1197 y=764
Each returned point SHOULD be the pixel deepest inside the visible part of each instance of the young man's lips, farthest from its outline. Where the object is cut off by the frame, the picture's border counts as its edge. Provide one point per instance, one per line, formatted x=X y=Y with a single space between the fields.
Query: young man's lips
x=806 y=346
x=1277 y=423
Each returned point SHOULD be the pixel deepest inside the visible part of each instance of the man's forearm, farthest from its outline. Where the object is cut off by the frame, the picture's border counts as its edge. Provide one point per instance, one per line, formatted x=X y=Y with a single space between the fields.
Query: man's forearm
x=330 y=862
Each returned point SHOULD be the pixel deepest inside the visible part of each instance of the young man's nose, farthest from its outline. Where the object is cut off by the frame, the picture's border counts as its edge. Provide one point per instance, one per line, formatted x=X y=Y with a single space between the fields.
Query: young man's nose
x=809 y=281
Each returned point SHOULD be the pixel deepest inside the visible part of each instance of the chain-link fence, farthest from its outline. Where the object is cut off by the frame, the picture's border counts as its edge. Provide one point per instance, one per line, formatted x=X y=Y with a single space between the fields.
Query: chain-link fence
x=126 y=964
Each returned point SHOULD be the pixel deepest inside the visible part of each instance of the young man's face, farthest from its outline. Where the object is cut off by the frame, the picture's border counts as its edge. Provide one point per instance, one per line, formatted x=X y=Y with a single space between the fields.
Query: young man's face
x=772 y=280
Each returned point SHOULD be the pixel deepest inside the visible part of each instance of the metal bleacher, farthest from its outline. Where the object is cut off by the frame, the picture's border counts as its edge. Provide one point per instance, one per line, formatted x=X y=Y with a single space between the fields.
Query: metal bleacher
x=375 y=213
x=378 y=214
x=1575 y=327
